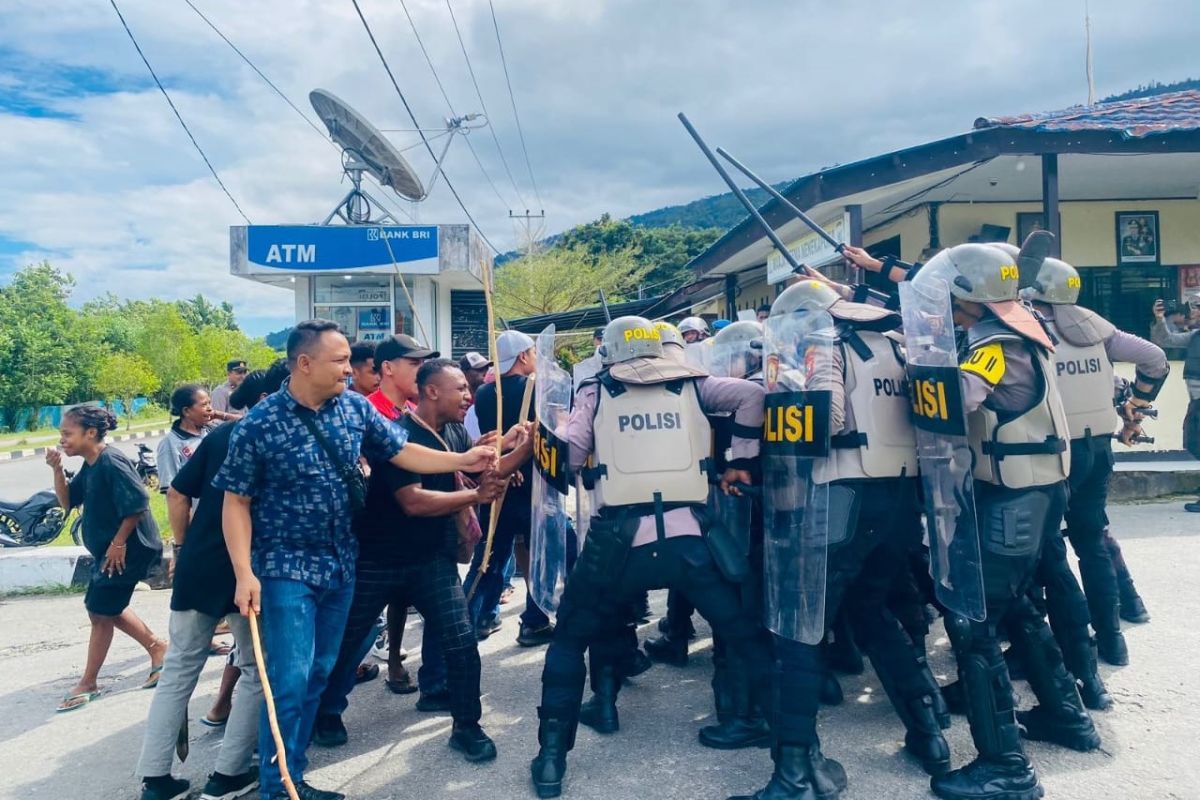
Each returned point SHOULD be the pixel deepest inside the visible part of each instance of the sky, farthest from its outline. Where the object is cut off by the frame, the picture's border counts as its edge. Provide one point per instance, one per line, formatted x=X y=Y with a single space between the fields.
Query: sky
x=99 y=178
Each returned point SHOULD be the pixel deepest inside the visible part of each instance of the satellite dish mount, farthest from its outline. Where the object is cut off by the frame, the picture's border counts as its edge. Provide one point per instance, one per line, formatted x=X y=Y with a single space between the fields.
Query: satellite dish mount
x=366 y=150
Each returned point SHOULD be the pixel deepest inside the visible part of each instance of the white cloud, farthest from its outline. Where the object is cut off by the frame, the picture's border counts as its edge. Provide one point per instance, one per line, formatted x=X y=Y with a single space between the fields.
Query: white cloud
x=116 y=194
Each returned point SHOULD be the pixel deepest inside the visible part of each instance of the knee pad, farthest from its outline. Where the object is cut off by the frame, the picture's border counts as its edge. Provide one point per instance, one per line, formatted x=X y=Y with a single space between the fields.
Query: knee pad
x=1012 y=525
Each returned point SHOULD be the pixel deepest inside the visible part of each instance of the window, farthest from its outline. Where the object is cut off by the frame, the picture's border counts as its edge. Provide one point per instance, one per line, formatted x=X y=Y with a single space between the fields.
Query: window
x=360 y=304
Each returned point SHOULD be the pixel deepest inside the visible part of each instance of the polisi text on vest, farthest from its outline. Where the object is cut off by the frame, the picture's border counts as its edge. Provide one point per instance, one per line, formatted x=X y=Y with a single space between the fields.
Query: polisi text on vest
x=662 y=421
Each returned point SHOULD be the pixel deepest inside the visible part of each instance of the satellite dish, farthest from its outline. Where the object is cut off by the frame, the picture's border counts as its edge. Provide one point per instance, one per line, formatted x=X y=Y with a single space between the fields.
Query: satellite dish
x=364 y=142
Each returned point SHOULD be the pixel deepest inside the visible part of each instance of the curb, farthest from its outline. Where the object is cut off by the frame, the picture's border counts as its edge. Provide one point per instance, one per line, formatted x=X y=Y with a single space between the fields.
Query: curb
x=14 y=455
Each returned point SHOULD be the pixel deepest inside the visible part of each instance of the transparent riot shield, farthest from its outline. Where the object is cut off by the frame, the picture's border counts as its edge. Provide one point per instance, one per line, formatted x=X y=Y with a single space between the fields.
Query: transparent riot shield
x=942 y=447
x=699 y=354
x=736 y=352
x=798 y=368
x=548 y=541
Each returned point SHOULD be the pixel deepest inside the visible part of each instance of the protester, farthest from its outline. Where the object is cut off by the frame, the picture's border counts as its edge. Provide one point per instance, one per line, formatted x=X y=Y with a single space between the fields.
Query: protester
x=193 y=410
x=235 y=372
x=201 y=596
x=407 y=542
x=365 y=379
x=291 y=486
x=120 y=534
x=516 y=360
x=397 y=359
x=764 y=311
x=1161 y=334
x=474 y=366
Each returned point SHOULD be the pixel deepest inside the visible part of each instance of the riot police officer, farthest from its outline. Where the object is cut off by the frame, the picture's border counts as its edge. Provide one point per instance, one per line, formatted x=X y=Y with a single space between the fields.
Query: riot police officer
x=642 y=420
x=988 y=533
x=873 y=512
x=1088 y=345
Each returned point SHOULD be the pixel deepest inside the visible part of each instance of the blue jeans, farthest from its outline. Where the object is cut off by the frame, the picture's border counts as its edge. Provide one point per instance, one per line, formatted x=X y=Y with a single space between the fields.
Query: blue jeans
x=302 y=632
x=514 y=521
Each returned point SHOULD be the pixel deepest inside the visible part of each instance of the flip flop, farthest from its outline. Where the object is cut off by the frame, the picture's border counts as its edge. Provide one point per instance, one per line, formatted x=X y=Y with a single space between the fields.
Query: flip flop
x=215 y=724
x=401 y=687
x=218 y=649
x=74 y=701
x=152 y=679
x=366 y=672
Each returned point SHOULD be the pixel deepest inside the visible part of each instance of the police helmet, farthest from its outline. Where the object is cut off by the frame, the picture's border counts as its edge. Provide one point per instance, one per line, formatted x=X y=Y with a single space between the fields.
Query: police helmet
x=980 y=273
x=1057 y=283
x=807 y=295
x=669 y=333
x=626 y=338
x=696 y=324
x=737 y=350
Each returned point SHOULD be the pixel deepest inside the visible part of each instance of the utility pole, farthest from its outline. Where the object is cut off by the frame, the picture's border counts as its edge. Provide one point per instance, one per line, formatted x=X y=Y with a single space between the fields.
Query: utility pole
x=534 y=229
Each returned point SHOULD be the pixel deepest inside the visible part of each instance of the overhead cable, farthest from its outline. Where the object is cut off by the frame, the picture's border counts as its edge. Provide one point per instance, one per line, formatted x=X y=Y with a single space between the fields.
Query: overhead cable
x=513 y=99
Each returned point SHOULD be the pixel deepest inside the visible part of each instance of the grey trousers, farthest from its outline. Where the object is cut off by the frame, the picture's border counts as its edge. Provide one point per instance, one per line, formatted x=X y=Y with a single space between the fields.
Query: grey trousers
x=191 y=637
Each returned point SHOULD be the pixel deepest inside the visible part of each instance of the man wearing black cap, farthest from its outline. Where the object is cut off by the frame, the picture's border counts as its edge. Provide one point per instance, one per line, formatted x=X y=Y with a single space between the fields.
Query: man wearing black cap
x=397 y=359
x=235 y=372
x=475 y=367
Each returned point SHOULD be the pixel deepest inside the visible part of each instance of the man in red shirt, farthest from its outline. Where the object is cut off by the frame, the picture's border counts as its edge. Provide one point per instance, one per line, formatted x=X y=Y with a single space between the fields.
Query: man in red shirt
x=397 y=359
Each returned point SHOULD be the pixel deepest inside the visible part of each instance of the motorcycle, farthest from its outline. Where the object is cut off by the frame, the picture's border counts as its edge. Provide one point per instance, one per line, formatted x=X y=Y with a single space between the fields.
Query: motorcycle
x=147 y=467
x=32 y=522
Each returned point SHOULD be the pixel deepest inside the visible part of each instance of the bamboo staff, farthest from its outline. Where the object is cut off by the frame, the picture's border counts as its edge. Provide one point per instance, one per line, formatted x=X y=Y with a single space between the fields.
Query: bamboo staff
x=486 y=274
x=280 y=752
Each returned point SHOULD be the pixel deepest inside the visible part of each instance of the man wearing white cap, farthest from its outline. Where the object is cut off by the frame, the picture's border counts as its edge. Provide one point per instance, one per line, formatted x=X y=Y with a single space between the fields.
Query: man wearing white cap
x=515 y=364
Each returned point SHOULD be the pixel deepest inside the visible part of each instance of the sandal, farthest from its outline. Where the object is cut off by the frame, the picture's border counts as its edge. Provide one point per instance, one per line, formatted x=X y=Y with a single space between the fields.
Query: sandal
x=219 y=649
x=152 y=679
x=366 y=672
x=402 y=685
x=215 y=724
x=74 y=701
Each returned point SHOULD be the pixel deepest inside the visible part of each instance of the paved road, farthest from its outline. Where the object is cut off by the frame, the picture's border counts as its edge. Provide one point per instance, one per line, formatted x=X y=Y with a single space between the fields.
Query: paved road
x=23 y=477
x=1149 y=739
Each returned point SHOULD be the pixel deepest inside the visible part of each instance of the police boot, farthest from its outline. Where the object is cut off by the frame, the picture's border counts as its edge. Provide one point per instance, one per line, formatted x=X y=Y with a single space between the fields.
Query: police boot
x=739 y=723
x=556 y=737
x=790 y=779
x=914 y=705
x=600 y=712
x=826 y=776
x=1132 y=607
x=1080 y=660
x=1112 y=648
x=1001 y=771
x=670 y=648
x=1059 y=716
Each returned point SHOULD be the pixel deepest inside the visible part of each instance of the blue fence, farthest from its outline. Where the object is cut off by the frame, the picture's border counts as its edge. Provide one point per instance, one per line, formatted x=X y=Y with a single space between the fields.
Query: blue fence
x=51 y=416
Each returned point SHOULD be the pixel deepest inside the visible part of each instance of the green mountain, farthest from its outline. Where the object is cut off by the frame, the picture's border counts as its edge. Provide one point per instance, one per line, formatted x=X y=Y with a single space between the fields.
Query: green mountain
x=718 y=211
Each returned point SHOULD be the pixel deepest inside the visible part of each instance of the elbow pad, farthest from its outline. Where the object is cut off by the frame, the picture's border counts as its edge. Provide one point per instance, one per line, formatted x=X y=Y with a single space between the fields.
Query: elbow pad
x=1155 y=385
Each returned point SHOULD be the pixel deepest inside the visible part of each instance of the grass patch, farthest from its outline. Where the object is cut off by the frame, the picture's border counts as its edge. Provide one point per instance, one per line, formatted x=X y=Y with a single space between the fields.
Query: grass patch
x=58 y=590
x=158 y=508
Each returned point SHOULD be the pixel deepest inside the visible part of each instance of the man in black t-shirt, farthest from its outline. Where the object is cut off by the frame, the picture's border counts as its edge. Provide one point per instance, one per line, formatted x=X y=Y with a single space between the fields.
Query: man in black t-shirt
x=407 y=536
x=201 y=595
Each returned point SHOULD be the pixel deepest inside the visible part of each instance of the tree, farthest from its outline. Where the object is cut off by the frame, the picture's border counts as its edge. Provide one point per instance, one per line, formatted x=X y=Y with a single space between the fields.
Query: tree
x=563 y=278
x=200 y=313
x=168 y=344
x=664 y=252
x=124 y=376
x=37 y=365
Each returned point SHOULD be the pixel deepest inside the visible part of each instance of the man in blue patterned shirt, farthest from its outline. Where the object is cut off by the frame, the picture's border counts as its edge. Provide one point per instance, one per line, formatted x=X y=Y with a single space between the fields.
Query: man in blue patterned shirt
x=287 y=525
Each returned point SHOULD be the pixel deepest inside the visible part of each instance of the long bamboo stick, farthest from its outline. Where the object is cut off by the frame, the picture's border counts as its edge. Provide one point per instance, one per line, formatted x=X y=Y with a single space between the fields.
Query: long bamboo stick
x=280 y=752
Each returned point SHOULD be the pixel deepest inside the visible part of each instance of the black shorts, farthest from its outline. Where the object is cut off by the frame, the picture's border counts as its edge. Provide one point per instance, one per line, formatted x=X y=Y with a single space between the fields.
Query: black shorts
x=108 y=598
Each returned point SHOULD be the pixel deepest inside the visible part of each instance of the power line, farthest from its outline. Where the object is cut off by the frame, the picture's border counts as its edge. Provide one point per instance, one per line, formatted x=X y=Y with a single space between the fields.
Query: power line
x=437 y=79
x=513 y=98
x=178 y=116
x=482 y=105
x=276 y=89
x=387 y=68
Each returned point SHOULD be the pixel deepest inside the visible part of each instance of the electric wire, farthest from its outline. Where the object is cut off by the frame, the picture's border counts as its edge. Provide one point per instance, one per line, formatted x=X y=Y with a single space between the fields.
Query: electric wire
x=513 y=98
x=175 y=110
x=404 y=101
x=437 y=79
x=324 y=136
x=483 y=106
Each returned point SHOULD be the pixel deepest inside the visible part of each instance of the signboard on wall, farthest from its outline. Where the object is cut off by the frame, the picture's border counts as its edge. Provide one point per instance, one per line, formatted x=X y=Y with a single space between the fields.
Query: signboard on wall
x=267 y=249
x=810 y=249
x=1189 y=280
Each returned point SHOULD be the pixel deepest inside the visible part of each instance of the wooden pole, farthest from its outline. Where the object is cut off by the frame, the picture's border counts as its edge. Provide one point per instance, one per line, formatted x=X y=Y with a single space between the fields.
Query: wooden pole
x=280 y=751
x=486 y=273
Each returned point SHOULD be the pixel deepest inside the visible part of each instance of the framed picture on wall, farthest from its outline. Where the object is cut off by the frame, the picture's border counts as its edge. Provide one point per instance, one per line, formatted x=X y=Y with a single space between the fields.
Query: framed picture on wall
x=1030 y=221
x=1137 y=237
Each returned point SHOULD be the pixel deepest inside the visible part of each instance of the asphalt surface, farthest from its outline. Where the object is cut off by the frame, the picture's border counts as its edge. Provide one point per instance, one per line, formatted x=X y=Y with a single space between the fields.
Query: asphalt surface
x=1150 y=738
x=22 y=477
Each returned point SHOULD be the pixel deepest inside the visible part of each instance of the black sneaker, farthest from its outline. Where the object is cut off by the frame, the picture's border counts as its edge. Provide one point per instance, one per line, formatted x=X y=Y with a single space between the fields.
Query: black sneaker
x=306 y=792
x=434 y=701
x=164 y=787
x=227 y=787
x=487 y=627
x=473 y=743
x=330 y=731
x=535 y=637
